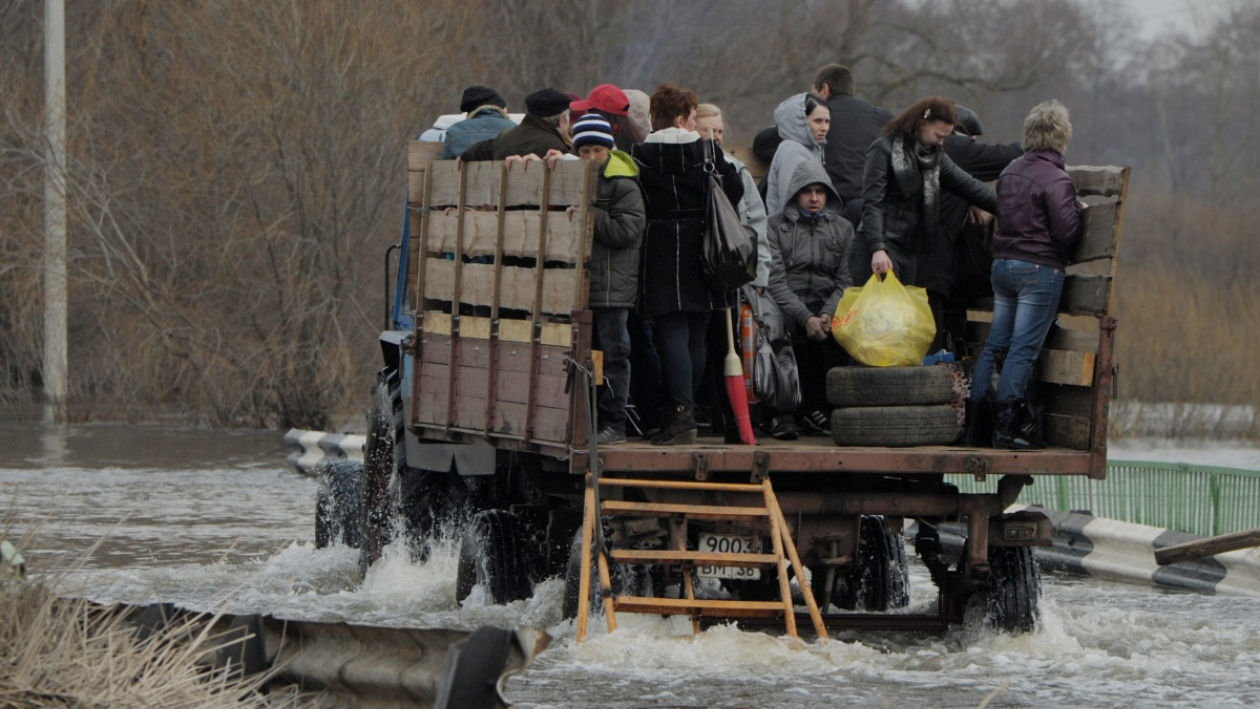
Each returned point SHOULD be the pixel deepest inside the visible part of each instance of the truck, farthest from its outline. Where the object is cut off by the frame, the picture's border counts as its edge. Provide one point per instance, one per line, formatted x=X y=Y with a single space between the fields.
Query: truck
x=482 y=420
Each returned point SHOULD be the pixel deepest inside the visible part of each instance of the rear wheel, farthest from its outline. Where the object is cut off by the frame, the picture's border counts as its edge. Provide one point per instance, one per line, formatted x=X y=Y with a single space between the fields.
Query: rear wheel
x=625 y=578
x=495 y=555
x=433 y=505
x=382 y=459
x=338 y=503
x=879 y=580
x=1012 y=596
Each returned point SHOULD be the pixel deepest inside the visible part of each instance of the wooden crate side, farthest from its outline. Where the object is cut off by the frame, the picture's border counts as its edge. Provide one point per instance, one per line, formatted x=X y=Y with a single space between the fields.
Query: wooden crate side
x=1100 y=222
x=1086 y=295
x=1067 y=431
x=1104 y=181
x=520 y=234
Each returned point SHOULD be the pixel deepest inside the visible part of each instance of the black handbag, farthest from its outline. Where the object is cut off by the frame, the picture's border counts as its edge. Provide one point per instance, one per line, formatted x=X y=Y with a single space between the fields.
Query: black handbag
x=729 y=253
x=776 y=381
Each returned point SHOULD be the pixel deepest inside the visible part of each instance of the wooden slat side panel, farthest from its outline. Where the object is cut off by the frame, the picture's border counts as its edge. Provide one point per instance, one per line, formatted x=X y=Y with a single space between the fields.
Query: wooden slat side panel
x=509 y=419
x=1063 y=367
x=559 y=286
x=1100 y=222
x=437 y=322
x=520 y=234
x=1058 y=339
x=420 y=152
x=1067 y=431
x=1086 y=295
x=524 y=186
x=482 y=187
x=1067 y=400
x=1105 y=181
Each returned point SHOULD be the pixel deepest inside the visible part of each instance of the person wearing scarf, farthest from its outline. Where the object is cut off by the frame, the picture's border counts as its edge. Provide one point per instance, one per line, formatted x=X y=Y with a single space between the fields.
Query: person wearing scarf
x=906 y=169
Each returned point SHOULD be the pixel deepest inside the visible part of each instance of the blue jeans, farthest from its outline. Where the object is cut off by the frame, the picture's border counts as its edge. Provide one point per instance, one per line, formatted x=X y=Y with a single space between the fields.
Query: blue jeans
x=614 y=341
x=680 y=343
x=1025 y=299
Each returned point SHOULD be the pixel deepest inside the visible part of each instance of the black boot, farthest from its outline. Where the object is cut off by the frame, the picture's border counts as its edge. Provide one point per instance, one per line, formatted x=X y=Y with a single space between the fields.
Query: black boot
x=680 y=430
x=1028 y=425
x=978 y=423
x=1016 y=428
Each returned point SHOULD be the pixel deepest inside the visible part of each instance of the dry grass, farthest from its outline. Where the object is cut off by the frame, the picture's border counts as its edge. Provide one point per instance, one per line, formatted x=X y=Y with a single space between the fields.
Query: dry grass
x=57 y=652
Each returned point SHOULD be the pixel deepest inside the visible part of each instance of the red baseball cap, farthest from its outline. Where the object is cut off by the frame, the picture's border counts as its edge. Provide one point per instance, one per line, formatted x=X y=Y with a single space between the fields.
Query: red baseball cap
x=606 y=98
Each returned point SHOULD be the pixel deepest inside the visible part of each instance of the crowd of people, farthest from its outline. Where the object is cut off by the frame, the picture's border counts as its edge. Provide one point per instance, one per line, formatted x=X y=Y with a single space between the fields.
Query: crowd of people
x=851 y=190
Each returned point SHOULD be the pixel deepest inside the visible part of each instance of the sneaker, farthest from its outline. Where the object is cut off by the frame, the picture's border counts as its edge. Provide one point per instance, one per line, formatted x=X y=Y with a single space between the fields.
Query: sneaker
x=782 y=427
x=609 y=436
x=816 y=421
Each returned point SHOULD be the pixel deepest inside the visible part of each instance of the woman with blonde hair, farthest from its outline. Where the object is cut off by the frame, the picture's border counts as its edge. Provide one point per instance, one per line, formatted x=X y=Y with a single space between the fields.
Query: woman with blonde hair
x=1039 y=222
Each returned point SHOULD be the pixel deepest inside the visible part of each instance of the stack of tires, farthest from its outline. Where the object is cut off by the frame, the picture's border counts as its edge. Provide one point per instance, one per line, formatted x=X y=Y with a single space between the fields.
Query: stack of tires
x=895 y=406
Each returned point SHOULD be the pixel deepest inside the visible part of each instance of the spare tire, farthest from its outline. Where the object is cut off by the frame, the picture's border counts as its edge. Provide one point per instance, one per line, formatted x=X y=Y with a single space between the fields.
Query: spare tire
x=891 y=386
x=895 y=426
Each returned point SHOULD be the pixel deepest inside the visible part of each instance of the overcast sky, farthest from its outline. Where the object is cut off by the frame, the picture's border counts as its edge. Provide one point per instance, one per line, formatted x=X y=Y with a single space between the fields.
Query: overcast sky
x=1158 y=16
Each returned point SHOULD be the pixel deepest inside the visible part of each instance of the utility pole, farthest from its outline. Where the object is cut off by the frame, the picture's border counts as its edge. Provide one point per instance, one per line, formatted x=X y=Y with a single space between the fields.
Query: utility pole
x=55 y=320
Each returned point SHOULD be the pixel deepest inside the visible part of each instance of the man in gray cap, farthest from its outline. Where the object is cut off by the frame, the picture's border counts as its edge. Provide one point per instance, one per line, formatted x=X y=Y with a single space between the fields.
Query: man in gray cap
x=487 y=118
x=544 y=127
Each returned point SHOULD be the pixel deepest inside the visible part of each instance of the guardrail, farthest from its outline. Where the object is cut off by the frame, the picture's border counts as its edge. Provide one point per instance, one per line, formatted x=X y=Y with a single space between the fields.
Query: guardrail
x=1197 y=499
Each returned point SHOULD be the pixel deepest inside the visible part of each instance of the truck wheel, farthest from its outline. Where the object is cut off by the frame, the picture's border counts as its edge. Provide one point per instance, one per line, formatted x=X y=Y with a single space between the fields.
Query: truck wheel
x=895 y=426
x=626 y=580
x=338 y=503
x=890 y=386
x=1012 y=597
x=382 y=459
x=495 y=555
x=880 y=579
x=433 y=505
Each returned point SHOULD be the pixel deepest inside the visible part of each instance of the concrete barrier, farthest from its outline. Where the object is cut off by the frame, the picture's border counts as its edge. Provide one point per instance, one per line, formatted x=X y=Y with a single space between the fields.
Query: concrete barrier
x=310 y=448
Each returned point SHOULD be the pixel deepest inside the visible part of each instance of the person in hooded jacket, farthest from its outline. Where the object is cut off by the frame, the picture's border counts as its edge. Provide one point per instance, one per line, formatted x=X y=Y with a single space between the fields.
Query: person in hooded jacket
x=1040 y=222
x=809 y=245
x=487 y=118
x=803 y=121
x=614 y=264
x=672 y=285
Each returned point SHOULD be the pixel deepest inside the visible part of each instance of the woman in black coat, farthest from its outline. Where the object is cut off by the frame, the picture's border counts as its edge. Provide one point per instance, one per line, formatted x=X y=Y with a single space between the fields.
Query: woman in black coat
x=673 y=289
x=906 y=169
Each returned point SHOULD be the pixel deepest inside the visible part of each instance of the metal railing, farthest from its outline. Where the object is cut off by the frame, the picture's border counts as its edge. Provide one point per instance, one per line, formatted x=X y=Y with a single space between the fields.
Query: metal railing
x=1198 y=499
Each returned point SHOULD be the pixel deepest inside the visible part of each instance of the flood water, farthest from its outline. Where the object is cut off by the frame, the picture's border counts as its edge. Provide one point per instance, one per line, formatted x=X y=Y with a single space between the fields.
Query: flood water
x=214 y=519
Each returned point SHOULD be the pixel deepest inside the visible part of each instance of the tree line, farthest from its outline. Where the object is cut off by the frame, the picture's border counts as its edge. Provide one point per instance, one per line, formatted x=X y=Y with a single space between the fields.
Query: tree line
x=236 y=168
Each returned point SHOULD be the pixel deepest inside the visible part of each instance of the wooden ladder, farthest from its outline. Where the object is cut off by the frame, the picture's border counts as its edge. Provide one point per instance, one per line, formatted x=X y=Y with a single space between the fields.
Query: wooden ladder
x=768 y=514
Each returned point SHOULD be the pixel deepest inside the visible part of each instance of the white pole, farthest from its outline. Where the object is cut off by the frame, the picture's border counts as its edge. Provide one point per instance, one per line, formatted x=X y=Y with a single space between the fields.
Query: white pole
x=55 y=322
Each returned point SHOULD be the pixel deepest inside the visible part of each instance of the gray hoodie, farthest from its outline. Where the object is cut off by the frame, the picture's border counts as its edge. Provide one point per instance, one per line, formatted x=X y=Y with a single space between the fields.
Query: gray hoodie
x=798 y=144
x=810 y=264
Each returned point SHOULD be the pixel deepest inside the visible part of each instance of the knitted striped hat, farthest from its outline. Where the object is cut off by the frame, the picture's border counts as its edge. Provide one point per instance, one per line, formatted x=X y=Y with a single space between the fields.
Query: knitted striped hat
x=592 y=129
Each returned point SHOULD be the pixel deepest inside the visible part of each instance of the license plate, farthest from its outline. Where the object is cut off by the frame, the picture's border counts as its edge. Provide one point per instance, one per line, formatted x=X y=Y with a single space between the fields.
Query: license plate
x=727 y=544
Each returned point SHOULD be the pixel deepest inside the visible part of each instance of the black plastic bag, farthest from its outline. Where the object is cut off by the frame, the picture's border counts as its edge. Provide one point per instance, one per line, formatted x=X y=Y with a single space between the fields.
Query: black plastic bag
x=729 y=255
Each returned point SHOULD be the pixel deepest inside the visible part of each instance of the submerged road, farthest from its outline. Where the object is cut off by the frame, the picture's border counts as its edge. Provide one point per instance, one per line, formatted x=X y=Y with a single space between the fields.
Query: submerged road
x=211 y=519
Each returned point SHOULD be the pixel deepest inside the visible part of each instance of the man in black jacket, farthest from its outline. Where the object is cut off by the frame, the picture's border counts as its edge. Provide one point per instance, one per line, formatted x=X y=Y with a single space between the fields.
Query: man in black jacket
x=855 y=124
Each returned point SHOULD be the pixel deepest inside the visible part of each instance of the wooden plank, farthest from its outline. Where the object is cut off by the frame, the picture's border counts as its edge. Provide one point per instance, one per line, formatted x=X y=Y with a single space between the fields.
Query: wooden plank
x=687 y=606
x=1105 y=181
x=520 y=231
x=1063 y=431
x=565 y=185
x=1086 y=295
x=653 y=509
x=1199 y=548
x=436 y=349
x=420 y=152
x=698 y=558
x=513 y=386
x=477 y=286
x=1099 y=229
x=1068 y=400
x=1065 y=367
x=437 y=322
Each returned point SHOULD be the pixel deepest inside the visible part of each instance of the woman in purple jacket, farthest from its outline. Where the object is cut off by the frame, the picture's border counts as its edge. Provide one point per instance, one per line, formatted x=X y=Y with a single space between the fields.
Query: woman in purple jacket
x=1039 y=219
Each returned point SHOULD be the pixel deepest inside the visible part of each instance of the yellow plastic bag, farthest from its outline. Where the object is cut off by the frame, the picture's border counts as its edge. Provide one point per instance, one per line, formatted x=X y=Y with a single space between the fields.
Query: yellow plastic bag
x=884 y=324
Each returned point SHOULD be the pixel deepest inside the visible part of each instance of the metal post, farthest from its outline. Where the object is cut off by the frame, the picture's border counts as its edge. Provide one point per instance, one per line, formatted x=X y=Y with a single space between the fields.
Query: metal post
x=55 y=327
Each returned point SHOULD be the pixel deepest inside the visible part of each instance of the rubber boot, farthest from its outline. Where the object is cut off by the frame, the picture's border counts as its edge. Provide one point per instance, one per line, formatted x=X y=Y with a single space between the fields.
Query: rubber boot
x=681 y=430
x=978 y=423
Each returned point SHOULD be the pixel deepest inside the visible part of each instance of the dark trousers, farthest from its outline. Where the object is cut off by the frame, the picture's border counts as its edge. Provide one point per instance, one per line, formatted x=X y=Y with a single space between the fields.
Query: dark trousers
x=680 y=344
x=647 y=391
x=614 y=341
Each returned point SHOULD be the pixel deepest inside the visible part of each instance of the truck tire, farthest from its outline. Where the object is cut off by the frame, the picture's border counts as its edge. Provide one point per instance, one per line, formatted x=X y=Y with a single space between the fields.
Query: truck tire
x=626 y=580
x=495 y=555
x=895 y=426
x=433 y=506
x=338 y=503
x=382 y=459
x=880 y=580
x=1012 y=596
x=890 y=386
